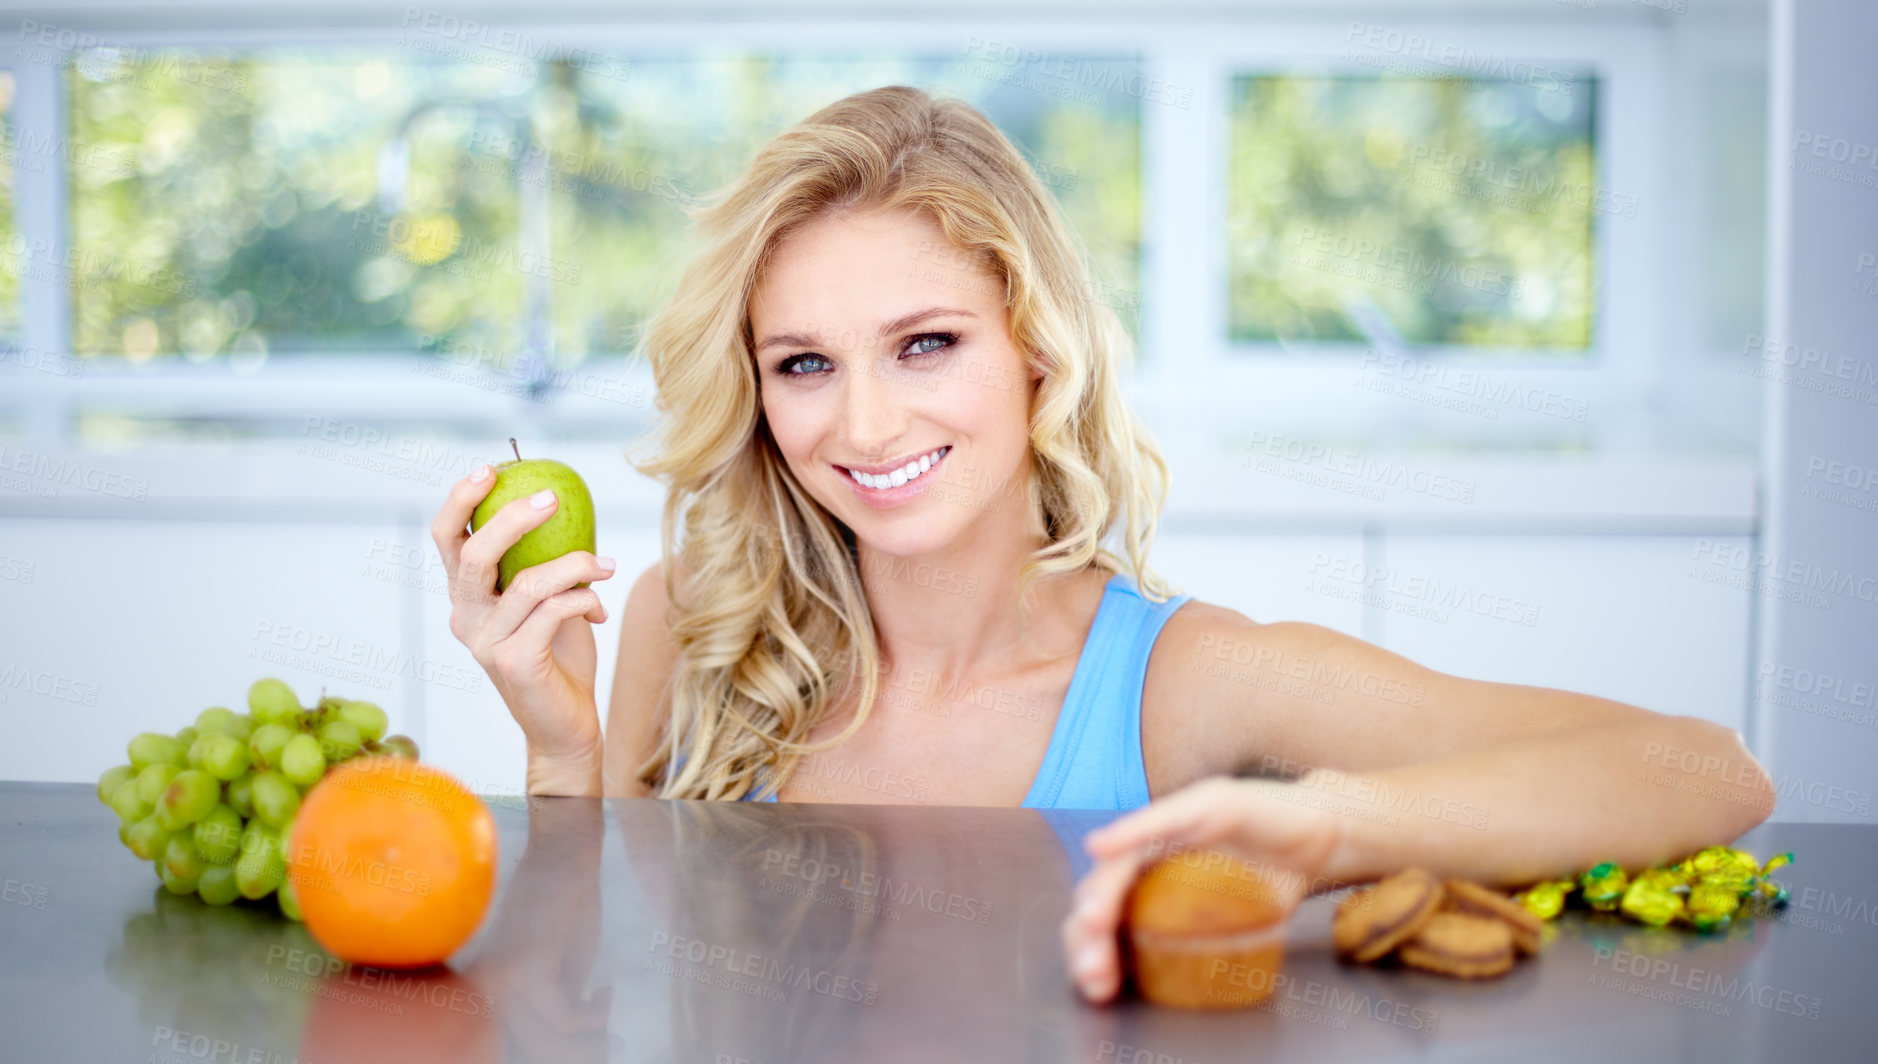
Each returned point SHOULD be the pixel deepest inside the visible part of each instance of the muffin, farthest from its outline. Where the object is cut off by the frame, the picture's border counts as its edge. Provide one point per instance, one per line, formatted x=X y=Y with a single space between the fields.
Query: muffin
x=1205 y=930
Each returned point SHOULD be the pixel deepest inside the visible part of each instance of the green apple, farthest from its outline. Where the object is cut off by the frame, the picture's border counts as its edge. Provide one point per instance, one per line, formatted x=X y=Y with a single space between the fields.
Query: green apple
x=570 y=529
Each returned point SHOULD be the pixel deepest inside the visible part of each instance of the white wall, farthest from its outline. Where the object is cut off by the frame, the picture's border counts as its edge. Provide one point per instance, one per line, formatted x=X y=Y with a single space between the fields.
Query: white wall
x=1817 y=665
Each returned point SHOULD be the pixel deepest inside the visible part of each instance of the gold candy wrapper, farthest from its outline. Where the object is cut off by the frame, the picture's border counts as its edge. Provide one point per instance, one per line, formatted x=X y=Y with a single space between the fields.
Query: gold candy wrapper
x=1705 y=890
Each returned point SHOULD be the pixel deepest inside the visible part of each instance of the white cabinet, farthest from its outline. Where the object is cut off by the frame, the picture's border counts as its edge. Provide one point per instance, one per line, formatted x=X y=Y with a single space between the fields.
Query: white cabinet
x=1640 y=619
x=1266 y=576
x=121 y=626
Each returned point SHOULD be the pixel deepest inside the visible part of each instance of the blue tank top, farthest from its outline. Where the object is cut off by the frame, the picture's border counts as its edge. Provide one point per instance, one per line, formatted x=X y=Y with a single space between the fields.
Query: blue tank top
x=1094 y=760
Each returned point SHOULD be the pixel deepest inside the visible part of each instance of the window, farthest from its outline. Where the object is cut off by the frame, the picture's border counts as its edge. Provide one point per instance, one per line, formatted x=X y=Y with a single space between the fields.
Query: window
x=1451 y=211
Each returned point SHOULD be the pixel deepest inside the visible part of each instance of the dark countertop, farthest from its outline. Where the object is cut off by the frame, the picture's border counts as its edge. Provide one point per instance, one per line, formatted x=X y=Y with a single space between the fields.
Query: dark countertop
x=647 y=930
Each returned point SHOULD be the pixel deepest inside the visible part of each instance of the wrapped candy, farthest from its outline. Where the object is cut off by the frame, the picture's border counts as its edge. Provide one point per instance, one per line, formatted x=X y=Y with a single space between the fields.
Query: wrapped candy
x=1651 y=900
x=1546 y=899
x=1705 y=890
x=1710 y=907
x=1603 y=887
x=1773 y=892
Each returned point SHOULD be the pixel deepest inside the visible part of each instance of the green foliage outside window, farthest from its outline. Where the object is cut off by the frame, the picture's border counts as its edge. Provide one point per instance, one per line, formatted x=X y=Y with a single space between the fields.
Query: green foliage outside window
x=1463 y=210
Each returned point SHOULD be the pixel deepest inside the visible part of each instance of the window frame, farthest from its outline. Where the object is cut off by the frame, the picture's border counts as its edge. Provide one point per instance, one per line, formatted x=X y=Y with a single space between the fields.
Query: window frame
x=1186 y=192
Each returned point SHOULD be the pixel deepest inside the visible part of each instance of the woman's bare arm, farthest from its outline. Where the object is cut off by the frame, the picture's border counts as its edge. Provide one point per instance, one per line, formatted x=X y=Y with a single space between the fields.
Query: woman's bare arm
x=1506 y=781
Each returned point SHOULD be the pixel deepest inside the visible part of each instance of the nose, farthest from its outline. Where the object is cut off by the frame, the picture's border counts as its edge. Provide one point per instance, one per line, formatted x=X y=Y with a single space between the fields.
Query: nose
x=873 y=416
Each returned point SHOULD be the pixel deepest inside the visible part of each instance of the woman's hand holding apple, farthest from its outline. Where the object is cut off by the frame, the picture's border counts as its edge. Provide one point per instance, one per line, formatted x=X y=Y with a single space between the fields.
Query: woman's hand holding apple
x=534 y=638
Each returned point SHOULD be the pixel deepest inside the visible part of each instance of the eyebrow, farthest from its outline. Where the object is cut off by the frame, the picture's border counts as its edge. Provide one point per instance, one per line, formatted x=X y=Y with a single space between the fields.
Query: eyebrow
x=905 y=321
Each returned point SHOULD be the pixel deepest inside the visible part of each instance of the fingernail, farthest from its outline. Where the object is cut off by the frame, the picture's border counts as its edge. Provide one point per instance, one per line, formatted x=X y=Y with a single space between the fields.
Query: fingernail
x=1089 y=959
x=481 y=474
x=606 y=563
x=541 y=500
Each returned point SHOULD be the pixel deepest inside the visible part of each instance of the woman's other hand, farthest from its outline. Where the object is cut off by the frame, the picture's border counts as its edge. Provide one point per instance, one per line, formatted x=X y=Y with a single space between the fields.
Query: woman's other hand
x=1268 y=823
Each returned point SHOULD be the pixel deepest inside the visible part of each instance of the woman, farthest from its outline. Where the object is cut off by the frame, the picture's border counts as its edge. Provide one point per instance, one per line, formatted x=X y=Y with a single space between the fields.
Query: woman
x=895 y=437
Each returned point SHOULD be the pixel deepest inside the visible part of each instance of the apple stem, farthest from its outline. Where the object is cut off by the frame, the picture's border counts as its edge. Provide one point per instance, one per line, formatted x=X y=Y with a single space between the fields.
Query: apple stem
x=517 y=450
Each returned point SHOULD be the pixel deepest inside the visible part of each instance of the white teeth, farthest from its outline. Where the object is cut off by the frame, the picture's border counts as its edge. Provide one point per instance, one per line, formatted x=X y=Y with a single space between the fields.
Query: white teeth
x=899 y=476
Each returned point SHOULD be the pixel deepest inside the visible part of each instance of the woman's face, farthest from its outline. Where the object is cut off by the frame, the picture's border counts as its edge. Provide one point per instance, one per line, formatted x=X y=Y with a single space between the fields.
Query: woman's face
x=881 y=346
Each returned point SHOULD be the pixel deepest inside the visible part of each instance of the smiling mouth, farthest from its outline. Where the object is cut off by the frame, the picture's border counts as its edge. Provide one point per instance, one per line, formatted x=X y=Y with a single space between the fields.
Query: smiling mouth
x=905 y=474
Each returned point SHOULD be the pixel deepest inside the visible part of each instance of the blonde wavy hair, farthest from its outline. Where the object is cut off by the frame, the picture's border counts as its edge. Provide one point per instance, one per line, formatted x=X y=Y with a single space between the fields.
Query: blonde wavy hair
x=771 y=622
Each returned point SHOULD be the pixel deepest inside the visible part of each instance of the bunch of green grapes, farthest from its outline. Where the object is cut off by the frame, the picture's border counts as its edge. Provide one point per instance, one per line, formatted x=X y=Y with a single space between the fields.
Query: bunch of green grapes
x=211 y=806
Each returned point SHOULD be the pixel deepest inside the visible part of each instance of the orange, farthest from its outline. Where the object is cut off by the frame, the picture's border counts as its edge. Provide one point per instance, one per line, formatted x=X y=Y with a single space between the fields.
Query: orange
x=393 y=862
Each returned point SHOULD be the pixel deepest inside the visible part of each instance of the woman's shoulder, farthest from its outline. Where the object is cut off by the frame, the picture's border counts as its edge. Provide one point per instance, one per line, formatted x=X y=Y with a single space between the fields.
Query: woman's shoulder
x=1211 y=678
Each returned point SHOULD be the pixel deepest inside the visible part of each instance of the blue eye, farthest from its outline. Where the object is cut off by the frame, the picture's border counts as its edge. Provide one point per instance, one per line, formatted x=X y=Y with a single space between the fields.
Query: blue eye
x=787 y=365
x=916 y=348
